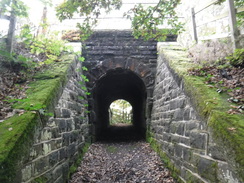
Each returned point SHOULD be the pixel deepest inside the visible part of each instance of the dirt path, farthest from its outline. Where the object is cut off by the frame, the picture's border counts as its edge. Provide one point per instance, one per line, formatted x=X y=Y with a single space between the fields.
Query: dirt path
x=121 y=163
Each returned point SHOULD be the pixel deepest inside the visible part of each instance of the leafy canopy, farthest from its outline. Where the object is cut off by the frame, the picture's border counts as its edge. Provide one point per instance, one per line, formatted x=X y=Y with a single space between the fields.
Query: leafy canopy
x=17 y=7
x=145 y=21
x=88 y=9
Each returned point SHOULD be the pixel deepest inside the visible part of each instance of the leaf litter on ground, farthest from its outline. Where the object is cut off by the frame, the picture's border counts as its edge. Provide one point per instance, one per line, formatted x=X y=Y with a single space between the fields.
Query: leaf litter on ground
x=229 y=80
x=124 y=162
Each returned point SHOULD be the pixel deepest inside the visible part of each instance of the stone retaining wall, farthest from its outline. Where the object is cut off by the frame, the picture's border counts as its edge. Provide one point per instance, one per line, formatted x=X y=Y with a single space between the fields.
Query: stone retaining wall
x=182 y=135
x=58 y=141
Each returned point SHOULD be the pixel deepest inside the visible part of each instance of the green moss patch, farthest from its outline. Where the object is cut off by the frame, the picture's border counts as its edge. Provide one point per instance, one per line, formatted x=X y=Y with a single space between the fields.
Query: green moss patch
x=76 y=164
x=166 y=160
x=11 y=130
x=16 y=133
x=228 y=129
x=44 y=90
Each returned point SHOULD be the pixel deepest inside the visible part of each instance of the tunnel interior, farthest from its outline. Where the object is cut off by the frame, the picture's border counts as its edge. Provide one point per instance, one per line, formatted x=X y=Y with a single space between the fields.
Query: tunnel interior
x=119 y=84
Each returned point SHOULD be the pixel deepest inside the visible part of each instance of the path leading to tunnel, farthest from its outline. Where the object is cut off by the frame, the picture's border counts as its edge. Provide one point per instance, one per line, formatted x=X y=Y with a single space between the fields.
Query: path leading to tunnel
x=124 y=162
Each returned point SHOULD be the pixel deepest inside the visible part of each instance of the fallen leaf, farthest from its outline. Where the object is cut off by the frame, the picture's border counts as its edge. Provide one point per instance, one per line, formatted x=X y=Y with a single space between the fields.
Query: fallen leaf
x=232 y=129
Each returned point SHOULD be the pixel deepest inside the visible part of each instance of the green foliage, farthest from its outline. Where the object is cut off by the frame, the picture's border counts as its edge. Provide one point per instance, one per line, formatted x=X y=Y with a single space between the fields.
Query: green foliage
x=240 y=15
x=237 y=58
x=25 y=35
x=50 y=46
x=40 y=180
x=146 y=21
x=14 y=61
x=120 y=112
x=17 y=7
x=82 y=59
x=88 y=9
x=84 y=68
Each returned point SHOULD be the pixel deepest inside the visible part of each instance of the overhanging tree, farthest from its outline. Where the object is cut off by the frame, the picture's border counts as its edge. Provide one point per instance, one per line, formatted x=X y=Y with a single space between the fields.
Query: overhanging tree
x=145 y=21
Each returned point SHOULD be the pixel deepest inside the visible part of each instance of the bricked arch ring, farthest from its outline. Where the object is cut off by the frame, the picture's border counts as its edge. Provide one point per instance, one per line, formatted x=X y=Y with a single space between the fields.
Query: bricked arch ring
x=101 y=69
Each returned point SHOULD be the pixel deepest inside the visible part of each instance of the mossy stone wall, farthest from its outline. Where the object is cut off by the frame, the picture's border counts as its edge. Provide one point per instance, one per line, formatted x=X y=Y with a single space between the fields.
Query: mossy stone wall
x=190 y=123
x=41 y=148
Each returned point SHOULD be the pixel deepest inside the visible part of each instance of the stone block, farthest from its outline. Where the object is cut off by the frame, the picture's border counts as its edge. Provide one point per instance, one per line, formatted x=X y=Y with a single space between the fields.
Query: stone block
x=225 y=174
x=66 y=113
x=41 y=165
x=65 y=170
x=193 y=177
x=66 y=139
x=185 y=140
x=57 y=172
x=62 y=154
x=178 y=151
x=55 y=133
x=62 y=125
x=36 y=150
x=216 y=152
x=26 y=172
x=58 y=113
x=173 y=127
x=46 y=134
x=175 y=138
x=173 y=104
x=74 y=136
x=59 y=180
x=47 y=148
x=187 y=114
x=178 y=115
x=71 y=150
x=186 y=153
x=181 y=129
x=70 y=124
x=198 y=140
x=167 y=137
x=189 y=126
x=53 y=158
x=207 y=168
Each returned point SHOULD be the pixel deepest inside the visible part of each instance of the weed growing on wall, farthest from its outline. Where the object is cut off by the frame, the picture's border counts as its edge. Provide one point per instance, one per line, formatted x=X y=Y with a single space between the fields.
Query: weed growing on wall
x=83 y=83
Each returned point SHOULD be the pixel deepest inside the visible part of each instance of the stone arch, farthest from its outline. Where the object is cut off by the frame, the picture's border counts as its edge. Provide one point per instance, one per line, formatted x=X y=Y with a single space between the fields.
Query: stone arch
x=102 y=67
x=111 y=80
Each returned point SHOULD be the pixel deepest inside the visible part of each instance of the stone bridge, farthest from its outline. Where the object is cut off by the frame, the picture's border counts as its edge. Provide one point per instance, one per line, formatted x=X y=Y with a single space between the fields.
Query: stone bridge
x=121 y=67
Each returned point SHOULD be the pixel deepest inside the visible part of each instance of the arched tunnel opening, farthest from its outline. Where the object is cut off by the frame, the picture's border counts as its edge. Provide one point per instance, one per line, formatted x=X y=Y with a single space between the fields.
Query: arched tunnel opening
x=119 y=84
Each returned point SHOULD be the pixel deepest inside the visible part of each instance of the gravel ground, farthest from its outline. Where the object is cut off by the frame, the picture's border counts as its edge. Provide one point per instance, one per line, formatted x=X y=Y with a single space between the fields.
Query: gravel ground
x=121 y=163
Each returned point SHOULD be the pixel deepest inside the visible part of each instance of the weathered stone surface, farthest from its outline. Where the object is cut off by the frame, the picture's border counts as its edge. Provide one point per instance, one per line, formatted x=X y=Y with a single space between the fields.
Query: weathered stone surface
x=182 y=135
x=131 y=64
x=63 y=136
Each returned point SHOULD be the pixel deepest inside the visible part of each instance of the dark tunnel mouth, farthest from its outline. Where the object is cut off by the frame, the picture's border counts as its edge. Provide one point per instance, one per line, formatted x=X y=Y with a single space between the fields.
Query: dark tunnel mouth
x=119 y=84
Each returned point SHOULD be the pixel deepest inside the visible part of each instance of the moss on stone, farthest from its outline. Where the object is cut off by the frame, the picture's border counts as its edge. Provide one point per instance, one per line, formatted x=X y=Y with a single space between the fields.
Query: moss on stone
x=45 y=89
x=40 y=180
x=166 y=160
x=17 y=132
x=73 y=168
x=177 y=58
x=228 y=129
